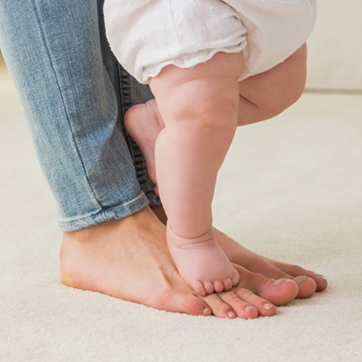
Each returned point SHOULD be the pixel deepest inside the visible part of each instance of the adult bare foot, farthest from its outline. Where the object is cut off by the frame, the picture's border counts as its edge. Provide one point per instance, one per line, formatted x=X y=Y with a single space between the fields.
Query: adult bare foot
x=308 y=281
x=118 y=258
x=123 y=259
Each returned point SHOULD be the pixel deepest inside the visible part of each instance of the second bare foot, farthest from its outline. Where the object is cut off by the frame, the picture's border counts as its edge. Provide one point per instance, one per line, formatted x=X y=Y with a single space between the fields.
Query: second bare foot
x=308 y=282
x=119 y=259
x=144 y=123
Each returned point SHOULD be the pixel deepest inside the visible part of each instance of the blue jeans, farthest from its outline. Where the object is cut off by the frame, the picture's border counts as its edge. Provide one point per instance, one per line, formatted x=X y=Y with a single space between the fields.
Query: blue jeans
x=74 y=95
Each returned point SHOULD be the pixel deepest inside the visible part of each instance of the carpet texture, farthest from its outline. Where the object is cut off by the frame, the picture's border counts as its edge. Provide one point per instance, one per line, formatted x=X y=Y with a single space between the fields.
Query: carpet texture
x=291 y=189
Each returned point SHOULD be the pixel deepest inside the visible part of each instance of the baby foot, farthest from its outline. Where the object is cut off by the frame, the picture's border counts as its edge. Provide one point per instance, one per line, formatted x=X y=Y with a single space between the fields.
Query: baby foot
x=144 y=123
x=202 y=263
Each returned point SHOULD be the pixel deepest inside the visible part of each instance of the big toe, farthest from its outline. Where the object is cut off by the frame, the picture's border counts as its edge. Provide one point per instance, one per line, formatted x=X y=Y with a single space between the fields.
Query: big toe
x=182 y=302
x=195 y=306
x=280 y=292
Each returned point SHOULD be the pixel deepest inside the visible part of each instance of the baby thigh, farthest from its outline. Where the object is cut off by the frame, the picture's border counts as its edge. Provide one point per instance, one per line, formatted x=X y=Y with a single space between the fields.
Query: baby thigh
x=268 y=94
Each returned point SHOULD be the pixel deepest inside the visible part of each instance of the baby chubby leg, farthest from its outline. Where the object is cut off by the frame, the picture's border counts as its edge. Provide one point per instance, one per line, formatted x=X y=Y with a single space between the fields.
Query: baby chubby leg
x=199 y=108
x=262 y=96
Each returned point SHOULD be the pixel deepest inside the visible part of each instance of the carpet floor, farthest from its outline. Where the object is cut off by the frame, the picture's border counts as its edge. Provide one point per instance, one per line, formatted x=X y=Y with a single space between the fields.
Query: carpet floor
x=290 y=189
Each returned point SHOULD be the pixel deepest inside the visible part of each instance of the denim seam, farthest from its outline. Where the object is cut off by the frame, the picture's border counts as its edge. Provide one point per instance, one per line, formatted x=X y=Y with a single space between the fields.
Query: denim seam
x=125 y=91
x=36 y=12
x=125 y=102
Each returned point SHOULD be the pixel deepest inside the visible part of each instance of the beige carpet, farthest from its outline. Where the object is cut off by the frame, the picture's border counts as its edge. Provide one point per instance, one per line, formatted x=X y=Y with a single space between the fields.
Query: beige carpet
x=291 y=189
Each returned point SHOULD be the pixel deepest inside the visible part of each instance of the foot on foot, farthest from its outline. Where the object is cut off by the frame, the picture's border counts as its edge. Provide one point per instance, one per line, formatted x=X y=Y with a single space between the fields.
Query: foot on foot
x=308 y=282
x=201 y=263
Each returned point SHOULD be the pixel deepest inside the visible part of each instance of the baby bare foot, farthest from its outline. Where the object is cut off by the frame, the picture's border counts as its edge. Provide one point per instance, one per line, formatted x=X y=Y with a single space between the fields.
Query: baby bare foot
x=144 y=123
x=201 y=263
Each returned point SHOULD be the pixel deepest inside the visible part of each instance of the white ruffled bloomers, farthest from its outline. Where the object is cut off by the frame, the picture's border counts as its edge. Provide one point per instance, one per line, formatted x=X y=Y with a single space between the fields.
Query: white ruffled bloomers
x=147 y=35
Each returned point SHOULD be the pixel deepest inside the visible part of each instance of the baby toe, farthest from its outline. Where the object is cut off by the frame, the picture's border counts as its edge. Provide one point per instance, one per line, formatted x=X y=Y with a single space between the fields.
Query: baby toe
x=218 y=286
x=209 y=287
x=228 y=284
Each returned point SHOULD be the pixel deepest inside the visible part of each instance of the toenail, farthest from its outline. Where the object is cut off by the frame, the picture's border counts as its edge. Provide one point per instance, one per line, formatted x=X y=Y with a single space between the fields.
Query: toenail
x=322 y=277
x=206 y=311
x=268 y=306
x=249 y=308
x=301 y=279
x=279 y=281
x=231 y=314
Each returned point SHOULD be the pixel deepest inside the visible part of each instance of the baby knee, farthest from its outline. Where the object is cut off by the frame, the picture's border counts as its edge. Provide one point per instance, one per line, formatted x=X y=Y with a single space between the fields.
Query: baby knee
x=219 y=116
x=283 y=98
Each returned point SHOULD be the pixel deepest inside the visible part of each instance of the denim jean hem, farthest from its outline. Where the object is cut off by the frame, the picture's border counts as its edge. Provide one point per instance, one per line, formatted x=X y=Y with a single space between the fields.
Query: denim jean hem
x=115 y=213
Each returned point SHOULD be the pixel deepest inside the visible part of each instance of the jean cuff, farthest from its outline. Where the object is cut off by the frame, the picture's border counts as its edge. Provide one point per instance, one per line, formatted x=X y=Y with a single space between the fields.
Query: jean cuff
x=104 y=215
